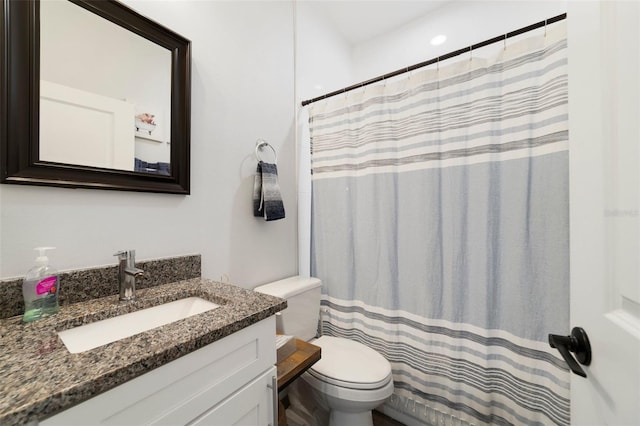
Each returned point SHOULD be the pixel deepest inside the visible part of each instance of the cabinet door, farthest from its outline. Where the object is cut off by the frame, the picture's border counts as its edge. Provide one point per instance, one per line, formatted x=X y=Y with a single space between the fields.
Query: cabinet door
x=252 y=405
x=184 y=389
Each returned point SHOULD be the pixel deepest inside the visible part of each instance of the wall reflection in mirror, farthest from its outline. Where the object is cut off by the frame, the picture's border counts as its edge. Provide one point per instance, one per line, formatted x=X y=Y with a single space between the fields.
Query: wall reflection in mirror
x=105 y=93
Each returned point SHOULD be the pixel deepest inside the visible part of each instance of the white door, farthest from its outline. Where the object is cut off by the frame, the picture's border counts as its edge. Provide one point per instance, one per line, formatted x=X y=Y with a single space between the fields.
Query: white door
x=84 y=128
x=604 y=117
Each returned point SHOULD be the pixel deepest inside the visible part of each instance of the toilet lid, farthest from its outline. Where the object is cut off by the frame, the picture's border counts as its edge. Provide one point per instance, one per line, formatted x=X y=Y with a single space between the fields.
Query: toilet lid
x=350 y=364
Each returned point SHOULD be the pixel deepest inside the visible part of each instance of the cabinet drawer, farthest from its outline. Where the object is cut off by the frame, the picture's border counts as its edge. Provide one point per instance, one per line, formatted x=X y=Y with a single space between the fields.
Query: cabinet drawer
x=181 y=390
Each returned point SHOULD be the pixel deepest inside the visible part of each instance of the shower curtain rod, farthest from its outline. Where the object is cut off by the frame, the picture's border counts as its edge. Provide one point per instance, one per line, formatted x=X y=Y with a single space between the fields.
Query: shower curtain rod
x=471 y=48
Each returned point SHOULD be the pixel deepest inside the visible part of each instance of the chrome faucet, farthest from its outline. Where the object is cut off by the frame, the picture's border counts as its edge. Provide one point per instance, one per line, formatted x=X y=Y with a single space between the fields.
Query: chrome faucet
x=127 y=274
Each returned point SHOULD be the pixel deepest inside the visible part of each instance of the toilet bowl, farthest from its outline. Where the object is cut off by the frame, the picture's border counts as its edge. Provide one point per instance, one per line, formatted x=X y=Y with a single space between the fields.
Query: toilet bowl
x=350 y=379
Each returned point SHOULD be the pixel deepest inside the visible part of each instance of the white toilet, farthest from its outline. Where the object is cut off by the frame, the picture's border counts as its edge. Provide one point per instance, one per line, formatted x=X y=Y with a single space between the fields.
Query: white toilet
x=350 y=379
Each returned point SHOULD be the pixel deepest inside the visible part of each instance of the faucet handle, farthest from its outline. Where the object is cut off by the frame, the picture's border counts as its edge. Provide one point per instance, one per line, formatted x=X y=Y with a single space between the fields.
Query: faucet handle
x=125 y=254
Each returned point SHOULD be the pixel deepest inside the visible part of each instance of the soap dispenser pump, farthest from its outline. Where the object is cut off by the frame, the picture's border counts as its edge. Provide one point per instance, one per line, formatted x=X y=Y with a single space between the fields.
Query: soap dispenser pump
x=40 y=288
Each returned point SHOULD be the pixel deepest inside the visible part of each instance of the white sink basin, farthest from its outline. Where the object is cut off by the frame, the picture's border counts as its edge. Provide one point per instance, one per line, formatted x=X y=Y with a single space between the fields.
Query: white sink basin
x=90 y=336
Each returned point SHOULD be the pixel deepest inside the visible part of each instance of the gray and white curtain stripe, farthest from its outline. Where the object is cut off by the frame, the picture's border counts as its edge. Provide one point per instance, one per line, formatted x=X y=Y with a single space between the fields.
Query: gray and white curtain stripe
x=440 y=231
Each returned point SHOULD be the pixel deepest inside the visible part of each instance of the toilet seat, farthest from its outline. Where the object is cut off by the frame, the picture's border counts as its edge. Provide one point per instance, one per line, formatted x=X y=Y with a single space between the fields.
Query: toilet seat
x=351 y=365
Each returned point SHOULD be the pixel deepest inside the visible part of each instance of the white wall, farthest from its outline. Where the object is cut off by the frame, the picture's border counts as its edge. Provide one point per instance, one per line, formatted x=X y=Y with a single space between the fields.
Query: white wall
x=324 y=58
x=242 y=89
x=463 y=22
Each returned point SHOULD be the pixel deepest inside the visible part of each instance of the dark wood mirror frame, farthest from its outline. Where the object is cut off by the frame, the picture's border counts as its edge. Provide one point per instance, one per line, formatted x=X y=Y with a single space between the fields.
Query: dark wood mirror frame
x=20 y=101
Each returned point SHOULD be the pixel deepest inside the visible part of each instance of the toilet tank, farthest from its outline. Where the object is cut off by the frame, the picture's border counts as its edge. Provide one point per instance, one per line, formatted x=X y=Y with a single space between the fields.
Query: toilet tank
x=300 y=319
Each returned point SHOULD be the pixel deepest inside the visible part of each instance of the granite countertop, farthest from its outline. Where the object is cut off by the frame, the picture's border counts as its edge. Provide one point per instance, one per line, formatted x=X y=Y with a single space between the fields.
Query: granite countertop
x=39 y=377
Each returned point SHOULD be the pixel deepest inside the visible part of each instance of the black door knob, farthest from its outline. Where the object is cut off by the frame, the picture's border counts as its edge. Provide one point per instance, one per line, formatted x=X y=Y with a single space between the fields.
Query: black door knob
x=578 y=343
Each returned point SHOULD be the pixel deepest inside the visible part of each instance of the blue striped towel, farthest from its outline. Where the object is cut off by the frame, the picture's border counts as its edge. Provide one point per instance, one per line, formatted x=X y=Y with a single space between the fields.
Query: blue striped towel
x=267 y=201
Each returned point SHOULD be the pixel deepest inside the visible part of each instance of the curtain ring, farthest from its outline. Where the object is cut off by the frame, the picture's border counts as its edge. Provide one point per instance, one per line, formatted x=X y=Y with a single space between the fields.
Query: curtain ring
x=260 y=144
x=545 y=27
x=505 y=42
x=470 y=53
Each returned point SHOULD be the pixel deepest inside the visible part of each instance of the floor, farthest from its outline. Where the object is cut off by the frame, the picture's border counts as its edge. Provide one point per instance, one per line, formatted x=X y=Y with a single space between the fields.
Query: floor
x=380 y=419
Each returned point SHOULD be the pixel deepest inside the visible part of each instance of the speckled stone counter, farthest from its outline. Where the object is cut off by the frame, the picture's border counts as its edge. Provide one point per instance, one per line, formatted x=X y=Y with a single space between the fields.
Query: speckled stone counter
x=85 y=284
x=39 y=377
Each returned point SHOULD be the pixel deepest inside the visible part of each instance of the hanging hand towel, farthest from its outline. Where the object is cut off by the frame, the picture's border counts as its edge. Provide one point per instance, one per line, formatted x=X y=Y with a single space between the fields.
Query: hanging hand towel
x=267 y=201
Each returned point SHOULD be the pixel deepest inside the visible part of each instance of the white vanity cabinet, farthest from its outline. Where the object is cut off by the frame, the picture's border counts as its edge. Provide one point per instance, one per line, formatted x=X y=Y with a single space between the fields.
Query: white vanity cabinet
x=227 y=382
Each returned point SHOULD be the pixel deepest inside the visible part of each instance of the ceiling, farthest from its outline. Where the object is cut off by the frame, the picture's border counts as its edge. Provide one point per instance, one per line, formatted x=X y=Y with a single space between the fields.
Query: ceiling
x=361 y=20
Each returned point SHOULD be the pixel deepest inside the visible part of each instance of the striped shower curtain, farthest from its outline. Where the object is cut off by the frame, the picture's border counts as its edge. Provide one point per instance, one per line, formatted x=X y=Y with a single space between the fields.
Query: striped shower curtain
x=440 y=232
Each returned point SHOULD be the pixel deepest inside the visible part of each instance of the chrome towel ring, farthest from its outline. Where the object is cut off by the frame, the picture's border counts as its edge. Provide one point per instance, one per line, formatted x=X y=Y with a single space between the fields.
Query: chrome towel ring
x=260 y=145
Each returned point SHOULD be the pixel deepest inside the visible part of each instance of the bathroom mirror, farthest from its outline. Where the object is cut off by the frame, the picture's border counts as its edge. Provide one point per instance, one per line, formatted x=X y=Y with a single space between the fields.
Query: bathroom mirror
x=97 y=96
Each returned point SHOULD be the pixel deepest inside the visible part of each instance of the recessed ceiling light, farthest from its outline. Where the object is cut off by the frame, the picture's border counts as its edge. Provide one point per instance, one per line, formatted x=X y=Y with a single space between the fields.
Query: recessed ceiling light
x=318 y=87
x=439 y=39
